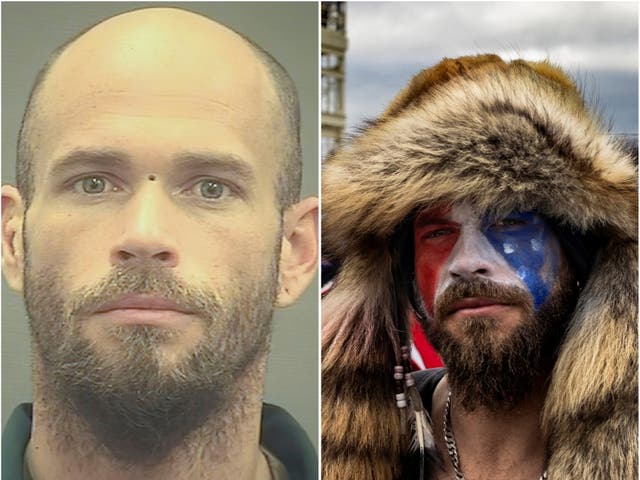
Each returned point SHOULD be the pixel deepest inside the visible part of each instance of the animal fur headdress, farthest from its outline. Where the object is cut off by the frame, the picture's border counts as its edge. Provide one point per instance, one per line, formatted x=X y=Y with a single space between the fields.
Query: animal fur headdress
x=503 y=136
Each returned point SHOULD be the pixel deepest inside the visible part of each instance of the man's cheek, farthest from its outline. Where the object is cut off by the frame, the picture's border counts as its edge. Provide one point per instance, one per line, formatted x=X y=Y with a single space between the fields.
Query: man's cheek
x=78 y=258
x=427 y=278
x=429 y=263
x=529 y=256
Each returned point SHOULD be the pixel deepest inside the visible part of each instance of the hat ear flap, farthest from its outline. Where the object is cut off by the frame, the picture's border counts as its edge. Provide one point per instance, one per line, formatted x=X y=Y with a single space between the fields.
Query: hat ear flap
x=404 y=274
x=360 y=347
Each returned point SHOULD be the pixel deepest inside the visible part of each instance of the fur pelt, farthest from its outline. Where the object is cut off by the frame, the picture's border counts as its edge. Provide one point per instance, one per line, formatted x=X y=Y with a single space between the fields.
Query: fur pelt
x=503 y=136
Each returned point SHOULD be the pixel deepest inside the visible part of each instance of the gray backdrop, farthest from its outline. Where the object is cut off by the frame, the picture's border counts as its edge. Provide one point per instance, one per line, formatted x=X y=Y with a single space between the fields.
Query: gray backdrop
x=289 y=31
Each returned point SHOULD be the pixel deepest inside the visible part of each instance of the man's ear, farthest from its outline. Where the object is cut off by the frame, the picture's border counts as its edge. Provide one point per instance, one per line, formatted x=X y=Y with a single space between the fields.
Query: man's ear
x=12 y=246
x=299 y=252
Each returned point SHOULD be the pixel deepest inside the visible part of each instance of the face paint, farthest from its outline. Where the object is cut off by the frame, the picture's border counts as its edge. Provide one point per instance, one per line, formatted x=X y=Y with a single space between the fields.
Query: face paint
x=525 y=242
x=434 y=238
x=519 y=250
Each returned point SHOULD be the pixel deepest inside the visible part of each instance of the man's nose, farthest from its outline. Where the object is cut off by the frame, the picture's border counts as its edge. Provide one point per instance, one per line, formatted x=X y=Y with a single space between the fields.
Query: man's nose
x=473 y=256
x=146 y=234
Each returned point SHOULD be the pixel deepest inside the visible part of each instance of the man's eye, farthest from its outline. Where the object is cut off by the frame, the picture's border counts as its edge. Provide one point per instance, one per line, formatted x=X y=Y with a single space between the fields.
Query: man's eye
x=437 y=233
x=94 y=185
x=211 y=189
x=510 y=222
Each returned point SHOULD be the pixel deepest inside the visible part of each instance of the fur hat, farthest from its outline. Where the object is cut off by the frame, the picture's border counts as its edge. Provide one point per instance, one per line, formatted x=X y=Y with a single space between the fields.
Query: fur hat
x=503 y=136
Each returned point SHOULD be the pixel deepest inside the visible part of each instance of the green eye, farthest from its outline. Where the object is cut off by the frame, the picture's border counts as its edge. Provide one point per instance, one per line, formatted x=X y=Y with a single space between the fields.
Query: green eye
x=212 y=189
x=93 y=185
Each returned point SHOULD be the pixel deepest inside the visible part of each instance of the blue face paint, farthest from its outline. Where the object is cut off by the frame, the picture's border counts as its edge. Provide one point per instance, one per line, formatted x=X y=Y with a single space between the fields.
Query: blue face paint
x=526 y=242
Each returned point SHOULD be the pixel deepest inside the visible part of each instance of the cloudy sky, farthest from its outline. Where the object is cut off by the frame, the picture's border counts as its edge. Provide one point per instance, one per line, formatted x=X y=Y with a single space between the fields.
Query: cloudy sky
x=597 y=42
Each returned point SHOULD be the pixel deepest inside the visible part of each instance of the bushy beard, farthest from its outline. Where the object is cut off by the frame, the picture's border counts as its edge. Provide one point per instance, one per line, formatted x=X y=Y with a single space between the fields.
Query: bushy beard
x=135 y=405
x=499 y=373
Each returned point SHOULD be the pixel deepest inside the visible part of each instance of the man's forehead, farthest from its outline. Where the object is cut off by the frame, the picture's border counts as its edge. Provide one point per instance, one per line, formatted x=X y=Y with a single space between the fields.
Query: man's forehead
x=465 y=212
x=165 y=67
x=456 y=212
x=160 y=51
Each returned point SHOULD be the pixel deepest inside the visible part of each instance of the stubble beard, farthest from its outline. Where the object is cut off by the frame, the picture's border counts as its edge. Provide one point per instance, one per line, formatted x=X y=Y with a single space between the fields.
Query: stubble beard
x=493 y=373
x=137 y=408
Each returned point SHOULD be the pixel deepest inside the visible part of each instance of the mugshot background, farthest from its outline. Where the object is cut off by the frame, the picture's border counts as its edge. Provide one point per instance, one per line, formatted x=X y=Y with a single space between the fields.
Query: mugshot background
x=289 y=31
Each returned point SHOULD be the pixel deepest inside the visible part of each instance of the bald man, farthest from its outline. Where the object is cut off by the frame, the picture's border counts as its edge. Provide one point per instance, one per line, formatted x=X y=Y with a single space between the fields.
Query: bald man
x=155 y=225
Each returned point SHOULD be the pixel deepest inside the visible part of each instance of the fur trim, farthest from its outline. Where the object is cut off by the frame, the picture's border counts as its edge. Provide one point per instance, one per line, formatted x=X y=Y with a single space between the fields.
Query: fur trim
x=503 y=136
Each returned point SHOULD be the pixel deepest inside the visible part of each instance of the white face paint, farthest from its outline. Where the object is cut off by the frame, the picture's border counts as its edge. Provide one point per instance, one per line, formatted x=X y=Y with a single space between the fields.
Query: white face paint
x=474 y=255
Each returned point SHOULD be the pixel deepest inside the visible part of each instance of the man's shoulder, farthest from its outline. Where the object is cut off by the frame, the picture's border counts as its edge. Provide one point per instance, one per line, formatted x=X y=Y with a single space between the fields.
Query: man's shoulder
x=15 y=437
x=426 y=382
x=285 y=439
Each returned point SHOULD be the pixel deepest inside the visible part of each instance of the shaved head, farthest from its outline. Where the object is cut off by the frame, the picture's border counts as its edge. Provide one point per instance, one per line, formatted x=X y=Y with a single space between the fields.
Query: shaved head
x=176 y=54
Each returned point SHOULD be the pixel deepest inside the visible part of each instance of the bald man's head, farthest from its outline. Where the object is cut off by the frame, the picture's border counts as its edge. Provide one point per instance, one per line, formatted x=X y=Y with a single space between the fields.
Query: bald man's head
x=207 y=39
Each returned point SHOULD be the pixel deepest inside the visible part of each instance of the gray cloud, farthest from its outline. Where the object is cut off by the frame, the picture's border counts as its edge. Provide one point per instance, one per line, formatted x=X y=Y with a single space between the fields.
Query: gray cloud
x=591 y=35
x=597 y=42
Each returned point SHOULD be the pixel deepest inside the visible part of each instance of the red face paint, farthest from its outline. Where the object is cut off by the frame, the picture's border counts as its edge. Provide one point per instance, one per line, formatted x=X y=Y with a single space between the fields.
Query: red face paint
x=434 y=237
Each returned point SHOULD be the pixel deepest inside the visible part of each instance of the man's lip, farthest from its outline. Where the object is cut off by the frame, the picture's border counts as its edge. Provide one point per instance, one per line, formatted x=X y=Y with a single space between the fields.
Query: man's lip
x=474 y=302
x=141 y=302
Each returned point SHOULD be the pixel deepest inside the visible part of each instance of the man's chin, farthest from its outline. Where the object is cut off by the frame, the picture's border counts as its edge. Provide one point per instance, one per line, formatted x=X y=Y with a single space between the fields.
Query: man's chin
x=499 y=321
x=170 y=343
x=140 y=400
x=471 y=338
x=488 y=366
x=486 y=330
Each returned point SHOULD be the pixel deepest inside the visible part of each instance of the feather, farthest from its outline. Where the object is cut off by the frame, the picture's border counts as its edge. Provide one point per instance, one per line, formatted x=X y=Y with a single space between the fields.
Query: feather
x=422 y=439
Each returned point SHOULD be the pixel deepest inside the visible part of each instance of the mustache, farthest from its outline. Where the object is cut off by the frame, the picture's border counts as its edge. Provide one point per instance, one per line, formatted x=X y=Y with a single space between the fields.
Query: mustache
x=144 y=280
x=480 y=287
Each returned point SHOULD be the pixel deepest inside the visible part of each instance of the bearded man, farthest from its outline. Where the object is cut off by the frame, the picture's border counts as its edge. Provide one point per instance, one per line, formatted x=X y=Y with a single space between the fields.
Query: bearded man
x=155 y=225
x=487 y=200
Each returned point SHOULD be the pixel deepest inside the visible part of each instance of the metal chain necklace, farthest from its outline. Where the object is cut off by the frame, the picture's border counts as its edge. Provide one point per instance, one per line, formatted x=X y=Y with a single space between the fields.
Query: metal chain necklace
x=450 y=442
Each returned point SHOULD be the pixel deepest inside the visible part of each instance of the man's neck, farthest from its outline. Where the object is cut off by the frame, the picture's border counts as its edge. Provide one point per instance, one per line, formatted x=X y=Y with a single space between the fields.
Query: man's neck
x=222 y=448
x=490 y=445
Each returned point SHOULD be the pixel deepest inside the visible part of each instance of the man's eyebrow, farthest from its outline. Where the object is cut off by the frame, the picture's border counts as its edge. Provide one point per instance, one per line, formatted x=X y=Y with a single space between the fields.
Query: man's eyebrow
x=220 y=162
x=88 y=157
x=425 y=220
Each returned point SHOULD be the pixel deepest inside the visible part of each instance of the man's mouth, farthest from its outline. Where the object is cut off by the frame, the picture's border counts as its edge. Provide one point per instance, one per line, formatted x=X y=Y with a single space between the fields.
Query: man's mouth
x=476 y=305
x=135 y=309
